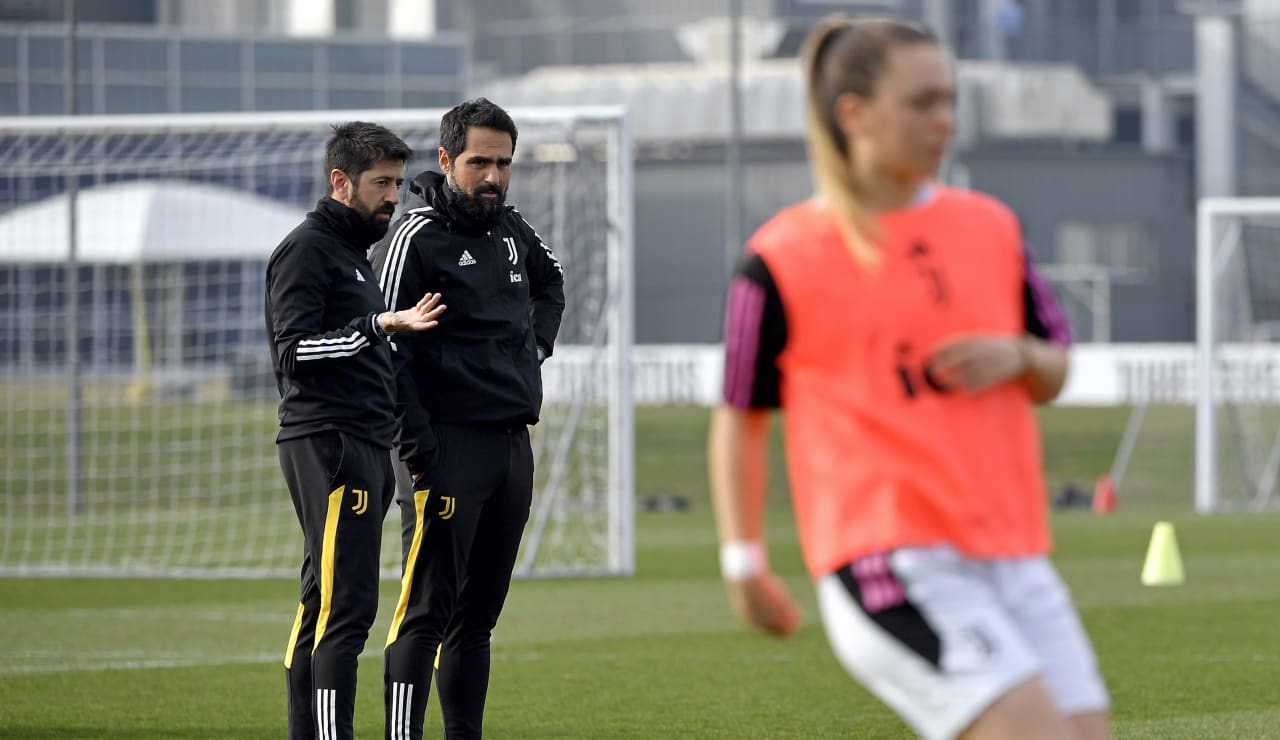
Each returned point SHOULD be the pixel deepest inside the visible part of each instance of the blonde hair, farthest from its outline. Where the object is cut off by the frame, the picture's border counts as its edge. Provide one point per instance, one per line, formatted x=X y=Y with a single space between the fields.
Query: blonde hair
x=841 y=57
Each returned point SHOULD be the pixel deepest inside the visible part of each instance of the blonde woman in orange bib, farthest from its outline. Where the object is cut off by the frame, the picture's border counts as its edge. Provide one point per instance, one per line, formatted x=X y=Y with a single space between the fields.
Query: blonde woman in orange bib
x=903 y=333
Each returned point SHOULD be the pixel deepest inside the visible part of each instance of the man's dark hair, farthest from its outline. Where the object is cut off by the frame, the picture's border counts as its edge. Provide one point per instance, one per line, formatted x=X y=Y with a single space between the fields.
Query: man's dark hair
x=479 y=112
x=359 y=145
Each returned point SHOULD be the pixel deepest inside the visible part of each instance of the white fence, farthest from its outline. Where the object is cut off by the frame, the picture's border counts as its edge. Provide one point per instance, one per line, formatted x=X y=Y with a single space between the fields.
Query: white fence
x=1101 y=374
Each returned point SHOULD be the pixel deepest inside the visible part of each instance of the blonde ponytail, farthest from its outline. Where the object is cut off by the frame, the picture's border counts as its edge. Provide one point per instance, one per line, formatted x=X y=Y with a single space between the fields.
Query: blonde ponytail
x=830 y=156
x=842 y=57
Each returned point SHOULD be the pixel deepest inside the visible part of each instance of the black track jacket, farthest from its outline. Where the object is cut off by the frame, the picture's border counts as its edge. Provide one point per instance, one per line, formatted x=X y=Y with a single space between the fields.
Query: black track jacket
x=505 y=294
x=333 y=367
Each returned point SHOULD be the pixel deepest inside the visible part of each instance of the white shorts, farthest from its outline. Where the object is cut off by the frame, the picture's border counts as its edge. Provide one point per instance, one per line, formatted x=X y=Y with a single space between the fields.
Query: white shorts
x=939 y=636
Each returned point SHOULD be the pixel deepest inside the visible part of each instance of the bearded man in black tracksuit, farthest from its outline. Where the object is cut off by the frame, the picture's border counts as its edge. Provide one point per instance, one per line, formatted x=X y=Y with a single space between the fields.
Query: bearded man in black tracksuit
x=328 y=329
x=466 y=395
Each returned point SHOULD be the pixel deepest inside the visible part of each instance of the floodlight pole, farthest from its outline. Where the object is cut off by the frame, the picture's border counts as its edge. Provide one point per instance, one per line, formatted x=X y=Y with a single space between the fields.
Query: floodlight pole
x=74 y=399
x=1216 y=115
x=733 y=152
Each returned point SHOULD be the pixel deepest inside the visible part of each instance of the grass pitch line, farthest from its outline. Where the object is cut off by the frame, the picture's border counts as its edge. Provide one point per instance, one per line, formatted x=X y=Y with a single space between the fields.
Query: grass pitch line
x=11 y=667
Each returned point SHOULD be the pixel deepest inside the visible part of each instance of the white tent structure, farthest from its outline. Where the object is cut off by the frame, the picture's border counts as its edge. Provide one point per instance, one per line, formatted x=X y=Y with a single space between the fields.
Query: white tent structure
x=170 y=276
x=148 y=221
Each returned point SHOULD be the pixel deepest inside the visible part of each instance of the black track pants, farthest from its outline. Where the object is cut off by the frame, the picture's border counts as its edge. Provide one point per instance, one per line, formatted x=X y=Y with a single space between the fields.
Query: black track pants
x=341 y=487
x=460 y=542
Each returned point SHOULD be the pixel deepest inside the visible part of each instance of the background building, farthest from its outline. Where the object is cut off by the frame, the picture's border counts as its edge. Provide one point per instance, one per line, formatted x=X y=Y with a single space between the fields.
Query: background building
x=1082 y=114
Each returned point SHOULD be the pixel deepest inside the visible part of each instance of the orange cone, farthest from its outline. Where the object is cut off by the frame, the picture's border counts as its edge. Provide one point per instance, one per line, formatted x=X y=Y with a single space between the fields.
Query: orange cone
x=1104 y=496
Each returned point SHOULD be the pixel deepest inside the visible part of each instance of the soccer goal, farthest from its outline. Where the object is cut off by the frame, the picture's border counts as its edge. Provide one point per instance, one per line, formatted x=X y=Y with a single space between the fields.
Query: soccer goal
x=139 y=408
x=1238 y=347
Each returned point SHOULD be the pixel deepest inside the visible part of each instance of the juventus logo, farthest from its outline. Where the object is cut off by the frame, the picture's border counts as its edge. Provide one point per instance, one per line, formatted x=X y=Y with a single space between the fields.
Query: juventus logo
x=511 y=248
x=446 y=511
x=362 y=501
x=924 y=264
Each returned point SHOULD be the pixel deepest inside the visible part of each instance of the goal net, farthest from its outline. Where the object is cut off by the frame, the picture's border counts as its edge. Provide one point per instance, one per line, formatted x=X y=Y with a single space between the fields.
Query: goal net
x=1238 y=347
x=139 y=407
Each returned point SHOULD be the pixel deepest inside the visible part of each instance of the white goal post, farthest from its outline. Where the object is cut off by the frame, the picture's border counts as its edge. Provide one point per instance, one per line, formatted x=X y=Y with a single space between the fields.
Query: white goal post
x=139 y=408
x=1237 y=433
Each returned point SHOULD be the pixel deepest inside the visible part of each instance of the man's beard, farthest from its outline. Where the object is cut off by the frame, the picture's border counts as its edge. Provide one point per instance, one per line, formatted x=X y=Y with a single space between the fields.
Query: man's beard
x=475 y=206
x=376 y=226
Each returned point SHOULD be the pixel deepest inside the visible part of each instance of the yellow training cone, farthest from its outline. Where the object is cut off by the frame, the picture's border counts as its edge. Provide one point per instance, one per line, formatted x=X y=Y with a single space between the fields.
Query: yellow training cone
x=1164 y=564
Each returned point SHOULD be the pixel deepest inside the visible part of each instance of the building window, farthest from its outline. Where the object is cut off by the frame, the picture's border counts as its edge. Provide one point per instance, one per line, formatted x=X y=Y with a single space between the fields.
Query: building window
x=1125 y=250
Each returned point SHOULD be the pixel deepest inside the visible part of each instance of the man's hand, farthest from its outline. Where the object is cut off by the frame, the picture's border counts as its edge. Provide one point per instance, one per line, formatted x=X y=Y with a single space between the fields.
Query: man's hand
x=763 y=601
x=976 y=363
x=419 y=318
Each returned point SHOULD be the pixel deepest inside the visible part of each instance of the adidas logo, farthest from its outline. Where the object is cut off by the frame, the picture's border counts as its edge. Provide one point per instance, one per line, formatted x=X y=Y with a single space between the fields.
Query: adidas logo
x=359 y=275
x=466 y=259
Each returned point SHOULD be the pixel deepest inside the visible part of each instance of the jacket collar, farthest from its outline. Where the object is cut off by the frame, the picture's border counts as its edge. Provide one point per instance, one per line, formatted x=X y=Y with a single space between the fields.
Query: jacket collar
x=354 y=231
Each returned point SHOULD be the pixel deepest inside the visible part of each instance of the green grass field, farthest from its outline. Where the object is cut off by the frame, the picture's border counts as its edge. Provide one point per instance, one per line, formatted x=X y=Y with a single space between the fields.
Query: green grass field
x=659 y=655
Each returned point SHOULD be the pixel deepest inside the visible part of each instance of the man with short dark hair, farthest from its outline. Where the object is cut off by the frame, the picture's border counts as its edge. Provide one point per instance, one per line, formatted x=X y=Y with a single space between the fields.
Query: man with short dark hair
x=327 y=326
x=467 y=393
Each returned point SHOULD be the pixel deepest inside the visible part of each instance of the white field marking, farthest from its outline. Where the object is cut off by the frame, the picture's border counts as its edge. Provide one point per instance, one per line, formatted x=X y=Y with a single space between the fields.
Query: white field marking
x=30 y=662
x=1182 y=657
x=62 y=661
x=187 y=613
x=9 y=667
x=72 y=660
x=1256 y=658
x=155 y=615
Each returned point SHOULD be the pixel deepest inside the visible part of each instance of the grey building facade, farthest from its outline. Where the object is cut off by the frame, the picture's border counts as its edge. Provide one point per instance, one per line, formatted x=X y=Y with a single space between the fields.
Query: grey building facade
x=1111 y=218
x=148 y=69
